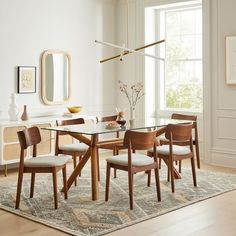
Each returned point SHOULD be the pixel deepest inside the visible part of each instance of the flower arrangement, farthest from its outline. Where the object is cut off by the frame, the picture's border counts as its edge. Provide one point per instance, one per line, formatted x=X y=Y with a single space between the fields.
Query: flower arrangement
x=133 y=94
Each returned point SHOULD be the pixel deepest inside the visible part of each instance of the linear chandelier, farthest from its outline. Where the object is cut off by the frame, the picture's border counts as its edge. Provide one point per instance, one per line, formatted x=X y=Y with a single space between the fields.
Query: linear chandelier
x=126 y=50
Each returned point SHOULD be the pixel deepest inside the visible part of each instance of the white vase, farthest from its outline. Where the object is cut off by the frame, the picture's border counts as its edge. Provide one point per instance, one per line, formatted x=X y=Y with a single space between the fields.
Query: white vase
x=132 y=113
x=13 y=111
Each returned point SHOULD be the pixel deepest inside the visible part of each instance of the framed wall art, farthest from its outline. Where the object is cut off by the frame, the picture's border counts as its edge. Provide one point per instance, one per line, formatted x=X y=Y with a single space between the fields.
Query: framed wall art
x=231 y=59
x=26 y=76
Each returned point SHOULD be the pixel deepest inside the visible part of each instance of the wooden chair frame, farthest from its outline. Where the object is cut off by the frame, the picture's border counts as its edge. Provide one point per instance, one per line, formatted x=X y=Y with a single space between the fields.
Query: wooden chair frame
x=195 y=140
x=31 y=137
x=138 y=141
x=114 y=147
x=178 y=134
x=74 y=154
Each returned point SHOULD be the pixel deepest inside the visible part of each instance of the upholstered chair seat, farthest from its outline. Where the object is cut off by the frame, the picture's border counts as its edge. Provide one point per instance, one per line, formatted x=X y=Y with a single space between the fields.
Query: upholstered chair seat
x=74 y=147
x=47 y=161
x=137 y=160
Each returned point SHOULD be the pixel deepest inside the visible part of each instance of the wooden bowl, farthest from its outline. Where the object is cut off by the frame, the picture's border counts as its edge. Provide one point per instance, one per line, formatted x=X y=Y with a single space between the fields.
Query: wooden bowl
x=74 y=109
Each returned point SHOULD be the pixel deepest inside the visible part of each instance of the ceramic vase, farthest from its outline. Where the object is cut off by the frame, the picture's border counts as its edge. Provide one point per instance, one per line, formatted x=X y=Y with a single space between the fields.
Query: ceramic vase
x=132 y=113
x=24 y=115
x=13 y=111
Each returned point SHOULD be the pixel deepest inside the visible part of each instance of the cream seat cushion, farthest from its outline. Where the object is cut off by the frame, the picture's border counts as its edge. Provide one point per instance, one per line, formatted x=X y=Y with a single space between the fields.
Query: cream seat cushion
x=74 y=147
x=137 y=160
x=177 y=150
x=47 y=161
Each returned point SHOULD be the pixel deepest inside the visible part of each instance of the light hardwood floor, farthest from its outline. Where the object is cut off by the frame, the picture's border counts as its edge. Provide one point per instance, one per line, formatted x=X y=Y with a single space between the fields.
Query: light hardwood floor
x=215 y=216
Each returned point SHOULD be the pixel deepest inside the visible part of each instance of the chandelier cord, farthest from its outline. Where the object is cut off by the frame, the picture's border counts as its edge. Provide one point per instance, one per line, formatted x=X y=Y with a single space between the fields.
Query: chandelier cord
x=127 y=21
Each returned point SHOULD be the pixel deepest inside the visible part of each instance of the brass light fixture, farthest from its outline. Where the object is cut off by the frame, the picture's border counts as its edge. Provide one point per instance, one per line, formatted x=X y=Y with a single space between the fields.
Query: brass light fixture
x=125 y=50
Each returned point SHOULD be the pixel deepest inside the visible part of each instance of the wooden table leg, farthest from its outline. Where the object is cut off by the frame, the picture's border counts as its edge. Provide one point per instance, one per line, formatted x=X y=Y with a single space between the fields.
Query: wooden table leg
x=78 y=169
x=94 y=168
x=176 y=173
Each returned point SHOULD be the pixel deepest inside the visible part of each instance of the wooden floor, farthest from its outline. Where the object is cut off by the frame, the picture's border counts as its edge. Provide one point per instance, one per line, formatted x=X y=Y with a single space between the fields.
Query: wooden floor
x=215 y=216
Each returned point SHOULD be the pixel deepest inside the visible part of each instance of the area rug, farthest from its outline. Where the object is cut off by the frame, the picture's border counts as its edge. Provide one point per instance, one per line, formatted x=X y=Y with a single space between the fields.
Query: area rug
x=79 y=215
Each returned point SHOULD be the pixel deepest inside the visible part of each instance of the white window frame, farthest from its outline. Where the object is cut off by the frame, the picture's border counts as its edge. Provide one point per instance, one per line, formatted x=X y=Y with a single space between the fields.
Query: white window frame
x=160 y=112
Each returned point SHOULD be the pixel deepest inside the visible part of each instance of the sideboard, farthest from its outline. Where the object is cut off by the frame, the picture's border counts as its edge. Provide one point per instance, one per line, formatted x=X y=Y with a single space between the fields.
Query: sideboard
x=9 y=144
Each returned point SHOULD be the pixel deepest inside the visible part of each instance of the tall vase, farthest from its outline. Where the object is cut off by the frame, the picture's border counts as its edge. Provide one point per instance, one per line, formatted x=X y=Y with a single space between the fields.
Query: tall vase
x=13 y=111
x=132 y=113
x=24 y=115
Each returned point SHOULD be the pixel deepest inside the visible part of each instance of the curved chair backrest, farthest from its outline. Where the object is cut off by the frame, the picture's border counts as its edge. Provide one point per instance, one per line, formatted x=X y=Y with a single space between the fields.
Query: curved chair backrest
x=139 y=140
x=185 y=117
x=181 y=132
x=106 y=118
x=29 y=137
x=77 y=121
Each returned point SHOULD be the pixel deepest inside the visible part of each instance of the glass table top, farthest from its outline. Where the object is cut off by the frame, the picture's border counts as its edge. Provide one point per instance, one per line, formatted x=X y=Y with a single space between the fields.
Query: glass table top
x=101 y=127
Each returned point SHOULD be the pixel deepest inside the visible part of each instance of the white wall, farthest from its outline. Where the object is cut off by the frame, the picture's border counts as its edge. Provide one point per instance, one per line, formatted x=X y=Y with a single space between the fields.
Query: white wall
x=28 y=27
x=223 y=105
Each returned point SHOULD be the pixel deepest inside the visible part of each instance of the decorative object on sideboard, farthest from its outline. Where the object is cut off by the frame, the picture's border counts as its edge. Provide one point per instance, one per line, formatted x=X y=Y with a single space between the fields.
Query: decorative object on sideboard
x=24 y=115
x=74 y=109
x=133 y=95
x=13 y=109
x=26 y=79
x=231 y=60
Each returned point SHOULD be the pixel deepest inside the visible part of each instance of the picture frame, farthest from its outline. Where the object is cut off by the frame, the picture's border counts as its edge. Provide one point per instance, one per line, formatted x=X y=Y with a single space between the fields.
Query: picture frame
x=230 y=60
x=26 y=76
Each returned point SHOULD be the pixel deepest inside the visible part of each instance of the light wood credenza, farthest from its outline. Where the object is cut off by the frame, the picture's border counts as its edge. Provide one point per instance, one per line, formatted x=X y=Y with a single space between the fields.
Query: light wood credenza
x=9 y=144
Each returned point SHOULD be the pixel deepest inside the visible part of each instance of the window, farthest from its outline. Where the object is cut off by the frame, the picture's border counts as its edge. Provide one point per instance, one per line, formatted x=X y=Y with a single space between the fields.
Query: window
x=178 y=81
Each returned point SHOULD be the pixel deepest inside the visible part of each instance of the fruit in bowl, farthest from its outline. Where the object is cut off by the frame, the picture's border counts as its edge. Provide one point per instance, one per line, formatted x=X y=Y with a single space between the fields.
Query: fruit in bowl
x=112 y=125
x=74 y=109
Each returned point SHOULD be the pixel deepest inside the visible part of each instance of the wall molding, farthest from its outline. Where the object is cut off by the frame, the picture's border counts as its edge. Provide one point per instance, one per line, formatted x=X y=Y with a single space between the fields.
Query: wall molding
x=223 y=157
x=218 y=128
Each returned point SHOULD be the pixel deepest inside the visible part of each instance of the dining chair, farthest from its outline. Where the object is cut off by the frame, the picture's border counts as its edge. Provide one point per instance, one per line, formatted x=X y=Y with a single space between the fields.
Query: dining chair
x=74 y=149
x=171 y=152
x=114 y=147
x=38 y=164
x=135 y=162
x=193 y=118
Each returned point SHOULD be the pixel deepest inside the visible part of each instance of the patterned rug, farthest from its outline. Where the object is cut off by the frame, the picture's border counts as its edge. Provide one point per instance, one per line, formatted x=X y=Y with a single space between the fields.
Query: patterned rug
x=79 y=215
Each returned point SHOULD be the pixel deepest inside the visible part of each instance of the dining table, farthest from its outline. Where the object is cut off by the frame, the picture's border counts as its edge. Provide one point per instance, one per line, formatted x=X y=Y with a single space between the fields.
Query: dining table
x=88 y=133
